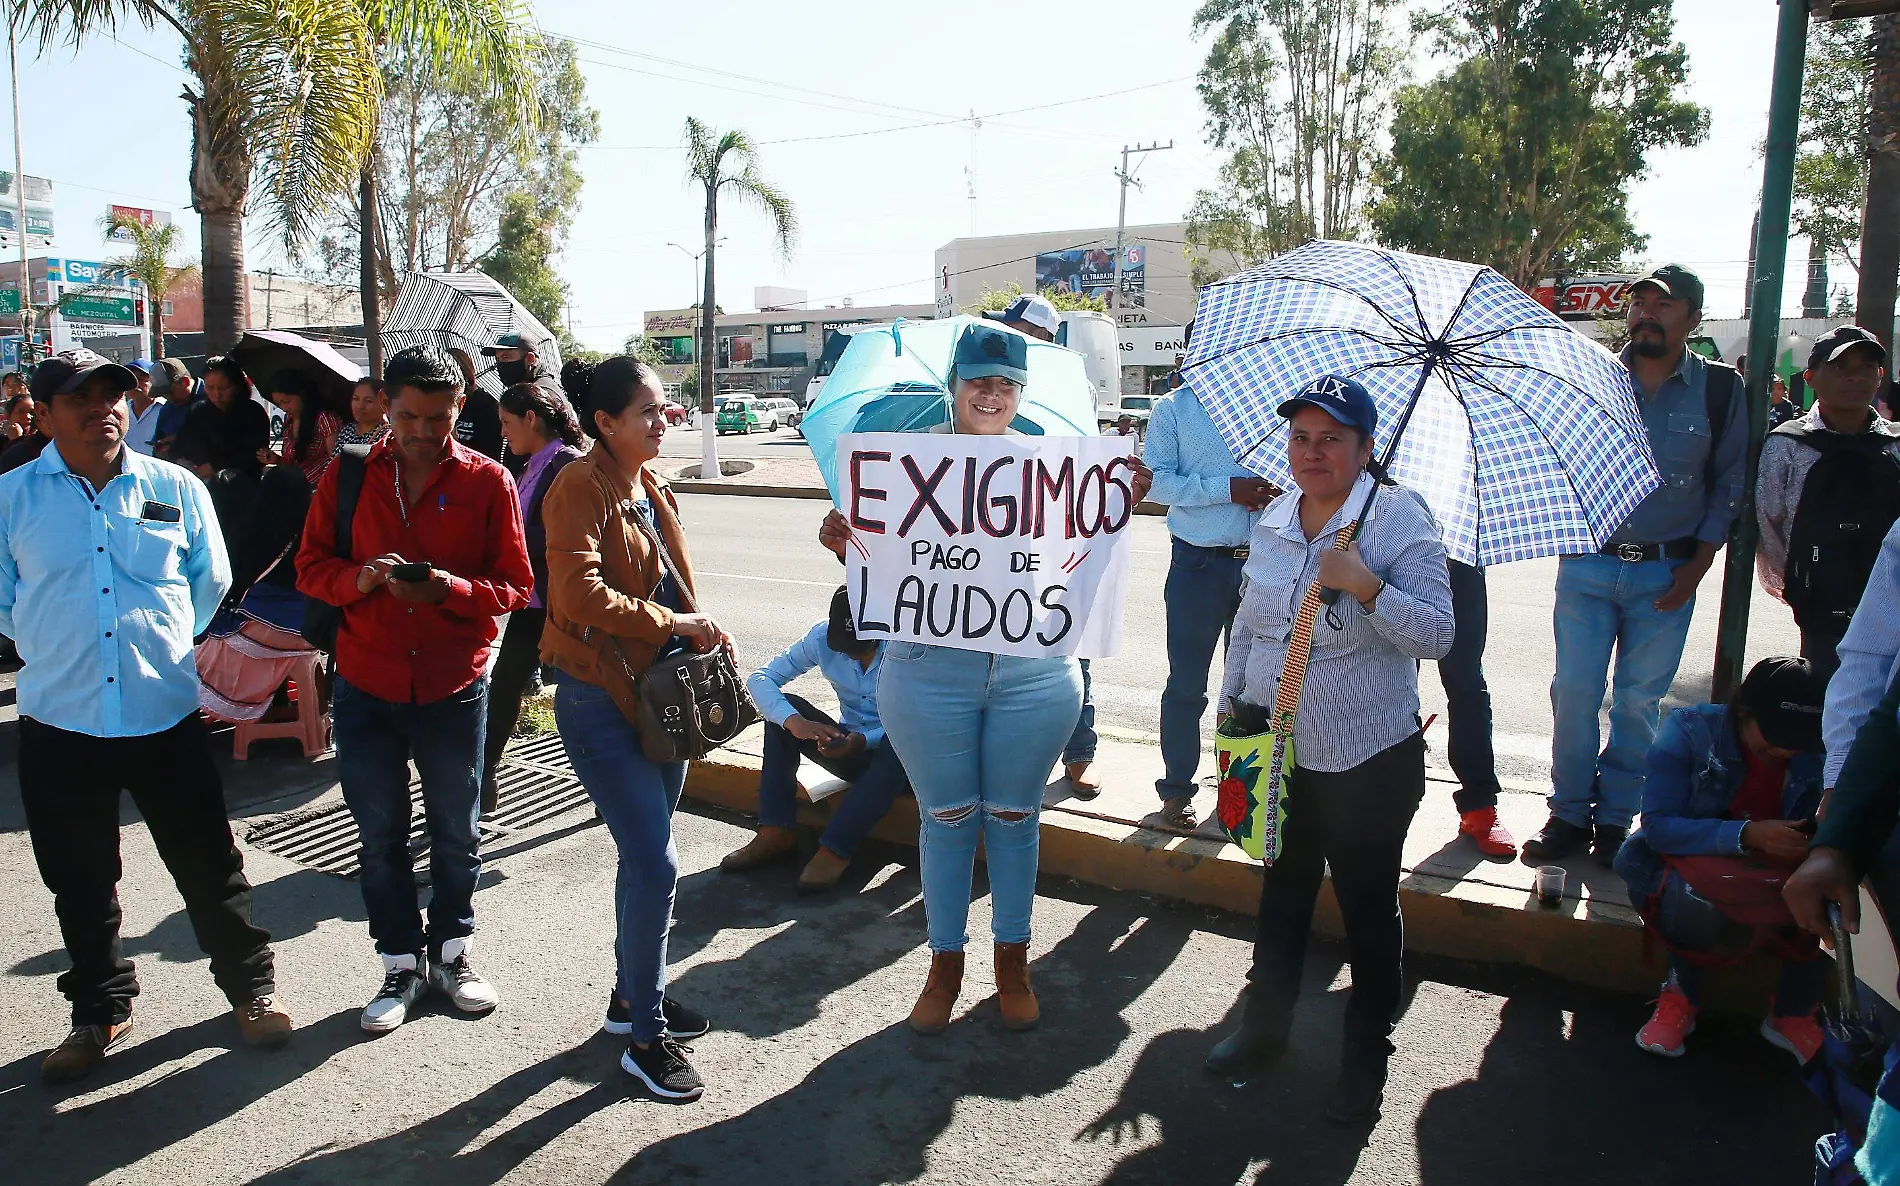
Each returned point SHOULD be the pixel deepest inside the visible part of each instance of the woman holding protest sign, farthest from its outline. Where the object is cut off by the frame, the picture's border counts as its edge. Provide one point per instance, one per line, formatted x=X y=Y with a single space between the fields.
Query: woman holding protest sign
x=619 y=596
x=1359 y=750
x=978 y=734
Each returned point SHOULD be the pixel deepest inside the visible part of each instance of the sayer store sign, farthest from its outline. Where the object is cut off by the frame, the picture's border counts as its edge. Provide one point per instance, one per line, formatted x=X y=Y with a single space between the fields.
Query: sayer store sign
x=1012 y=545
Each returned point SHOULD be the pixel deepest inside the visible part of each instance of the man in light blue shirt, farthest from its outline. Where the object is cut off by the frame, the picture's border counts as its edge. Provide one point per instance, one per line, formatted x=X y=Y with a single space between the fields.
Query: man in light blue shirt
x=1212 y=504
x=110 y=563
x=1634 y=598
x=854 y=749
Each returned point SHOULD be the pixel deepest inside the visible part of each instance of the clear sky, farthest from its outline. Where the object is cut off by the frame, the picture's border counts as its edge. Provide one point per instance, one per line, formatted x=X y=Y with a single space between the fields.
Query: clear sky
x=837 y=102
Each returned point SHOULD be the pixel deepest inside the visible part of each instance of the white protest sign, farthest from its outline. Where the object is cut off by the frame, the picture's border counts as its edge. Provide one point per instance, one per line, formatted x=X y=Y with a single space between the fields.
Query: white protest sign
x=1013 y=545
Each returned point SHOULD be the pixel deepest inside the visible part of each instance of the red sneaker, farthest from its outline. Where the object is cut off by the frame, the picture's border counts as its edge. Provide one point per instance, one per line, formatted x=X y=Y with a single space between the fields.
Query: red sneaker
x=1799 y=1036
x=1673 y=1020
x=1492 y=838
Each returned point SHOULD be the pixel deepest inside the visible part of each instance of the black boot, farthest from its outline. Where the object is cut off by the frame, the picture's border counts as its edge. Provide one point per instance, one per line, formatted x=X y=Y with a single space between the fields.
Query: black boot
x=1360 y=1090
x=1257 y=1044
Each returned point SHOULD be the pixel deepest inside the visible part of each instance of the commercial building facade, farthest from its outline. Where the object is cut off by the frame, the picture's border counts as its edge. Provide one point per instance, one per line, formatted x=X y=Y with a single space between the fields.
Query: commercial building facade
x=774 y=351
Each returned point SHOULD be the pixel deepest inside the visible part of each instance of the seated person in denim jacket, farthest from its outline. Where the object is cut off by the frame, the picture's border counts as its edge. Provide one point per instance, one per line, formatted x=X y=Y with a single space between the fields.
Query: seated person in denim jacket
x=1742 y=779
x=856 y=750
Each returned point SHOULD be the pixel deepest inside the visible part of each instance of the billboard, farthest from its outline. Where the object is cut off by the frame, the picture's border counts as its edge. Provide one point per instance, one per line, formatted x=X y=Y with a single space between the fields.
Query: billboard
x=1090 y=271
x=1581 y=298
x=136 y=214
x=39 y=211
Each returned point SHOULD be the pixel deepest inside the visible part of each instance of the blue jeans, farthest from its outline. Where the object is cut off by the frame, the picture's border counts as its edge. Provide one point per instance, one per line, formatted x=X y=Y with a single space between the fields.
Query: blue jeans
x=1081 y=746
x=1602 y=604
x=979 y=734
x=636 y=799
x=876 y=778
x=1690 y=923
x=1201 y=595
x=375 y=740
x=1467 y=697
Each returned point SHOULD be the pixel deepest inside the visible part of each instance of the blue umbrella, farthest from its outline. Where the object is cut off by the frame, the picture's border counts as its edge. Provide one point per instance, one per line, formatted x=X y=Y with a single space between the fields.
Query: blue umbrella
x=1523 y=435
x=893 y=378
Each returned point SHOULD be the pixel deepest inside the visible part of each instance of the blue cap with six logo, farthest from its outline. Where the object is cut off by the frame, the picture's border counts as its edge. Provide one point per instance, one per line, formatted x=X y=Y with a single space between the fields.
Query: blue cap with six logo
x=986 y=350
x=1345 y=400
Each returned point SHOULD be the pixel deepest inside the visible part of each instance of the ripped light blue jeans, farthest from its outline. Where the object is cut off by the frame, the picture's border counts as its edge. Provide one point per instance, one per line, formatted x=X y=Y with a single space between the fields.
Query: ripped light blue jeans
x=978 y=734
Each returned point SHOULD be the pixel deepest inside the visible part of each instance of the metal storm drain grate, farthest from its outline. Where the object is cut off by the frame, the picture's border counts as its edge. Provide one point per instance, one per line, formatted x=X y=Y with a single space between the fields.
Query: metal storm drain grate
x=537 y=786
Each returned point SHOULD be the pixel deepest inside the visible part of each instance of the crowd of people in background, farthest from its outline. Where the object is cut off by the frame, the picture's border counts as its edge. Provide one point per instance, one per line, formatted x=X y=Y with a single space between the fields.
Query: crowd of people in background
x=413 y=523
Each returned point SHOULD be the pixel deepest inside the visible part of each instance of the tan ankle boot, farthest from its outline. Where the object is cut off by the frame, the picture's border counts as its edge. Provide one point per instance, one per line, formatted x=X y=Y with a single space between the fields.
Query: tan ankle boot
x=1014 y=997
x=770 y=845
x=931 y=1014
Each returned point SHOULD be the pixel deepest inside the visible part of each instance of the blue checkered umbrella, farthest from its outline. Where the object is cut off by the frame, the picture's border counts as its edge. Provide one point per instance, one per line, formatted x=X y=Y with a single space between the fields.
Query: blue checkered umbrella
x=1522 y=434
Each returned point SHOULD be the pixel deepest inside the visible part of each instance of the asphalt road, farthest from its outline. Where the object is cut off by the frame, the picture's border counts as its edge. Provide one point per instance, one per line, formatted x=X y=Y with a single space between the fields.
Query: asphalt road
x=814 y=1080
x=686 y=442
x=764 y=576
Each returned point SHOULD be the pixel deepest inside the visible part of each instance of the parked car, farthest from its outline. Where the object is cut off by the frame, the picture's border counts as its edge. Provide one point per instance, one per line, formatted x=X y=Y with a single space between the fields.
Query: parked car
x=676 y=413
x=786 y=410
x=740 y=414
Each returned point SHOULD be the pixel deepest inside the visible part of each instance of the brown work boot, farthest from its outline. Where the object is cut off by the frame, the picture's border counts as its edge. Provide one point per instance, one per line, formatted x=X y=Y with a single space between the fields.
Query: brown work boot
x=931 y=1014
x=263 y=1023
x=822 y=872
x=1082 y=778
x=74 y=1058
x=1014 y=998
x=772 y=844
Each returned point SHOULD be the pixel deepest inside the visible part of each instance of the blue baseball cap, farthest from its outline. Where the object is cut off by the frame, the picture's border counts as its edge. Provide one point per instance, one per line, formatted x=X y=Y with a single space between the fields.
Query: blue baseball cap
x=985 y=350
x=142 y=365
x=1345 y=400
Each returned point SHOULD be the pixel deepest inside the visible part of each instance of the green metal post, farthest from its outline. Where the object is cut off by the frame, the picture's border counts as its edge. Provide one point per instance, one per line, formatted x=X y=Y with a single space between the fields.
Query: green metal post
x=1764 y=330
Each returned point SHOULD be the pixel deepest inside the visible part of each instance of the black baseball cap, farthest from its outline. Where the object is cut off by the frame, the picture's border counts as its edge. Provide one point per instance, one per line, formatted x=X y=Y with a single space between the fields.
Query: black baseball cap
x=1345 y=400
x=1838 y=341
x=511 y=342
x=63 y=373
x=1675 y=281
x=1784 y=696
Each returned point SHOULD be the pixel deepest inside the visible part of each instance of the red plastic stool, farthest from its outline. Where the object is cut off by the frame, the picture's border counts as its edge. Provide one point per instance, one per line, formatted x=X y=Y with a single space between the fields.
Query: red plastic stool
x=311 y=726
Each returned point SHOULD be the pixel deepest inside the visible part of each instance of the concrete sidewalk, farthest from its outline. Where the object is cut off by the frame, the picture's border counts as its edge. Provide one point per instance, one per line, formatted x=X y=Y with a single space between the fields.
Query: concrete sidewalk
x=1456 y=902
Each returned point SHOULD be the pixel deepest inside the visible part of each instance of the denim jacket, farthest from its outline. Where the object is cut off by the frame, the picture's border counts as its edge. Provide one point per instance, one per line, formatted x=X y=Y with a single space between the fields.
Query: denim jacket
x=1695 y=768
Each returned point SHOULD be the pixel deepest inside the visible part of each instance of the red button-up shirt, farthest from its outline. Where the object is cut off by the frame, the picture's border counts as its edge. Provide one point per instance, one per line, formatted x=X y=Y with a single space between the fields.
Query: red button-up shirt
x=467 y=522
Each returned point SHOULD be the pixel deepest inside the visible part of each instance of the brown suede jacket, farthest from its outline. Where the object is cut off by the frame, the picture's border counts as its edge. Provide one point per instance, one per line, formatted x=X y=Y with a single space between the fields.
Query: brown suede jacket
x=603 y=569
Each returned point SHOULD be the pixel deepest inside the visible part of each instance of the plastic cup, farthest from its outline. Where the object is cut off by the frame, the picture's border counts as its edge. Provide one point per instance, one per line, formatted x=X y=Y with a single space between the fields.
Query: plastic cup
x=1550 y=885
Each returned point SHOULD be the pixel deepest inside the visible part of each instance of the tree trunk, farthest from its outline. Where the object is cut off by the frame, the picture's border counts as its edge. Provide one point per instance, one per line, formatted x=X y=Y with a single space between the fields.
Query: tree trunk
x=1880 y=219
x=226 y=299
x=708 y=348
x=155 y=309
x=367 y=288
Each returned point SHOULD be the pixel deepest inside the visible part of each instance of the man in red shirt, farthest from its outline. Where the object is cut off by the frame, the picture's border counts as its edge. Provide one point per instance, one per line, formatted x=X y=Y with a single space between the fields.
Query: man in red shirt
x=435 y=554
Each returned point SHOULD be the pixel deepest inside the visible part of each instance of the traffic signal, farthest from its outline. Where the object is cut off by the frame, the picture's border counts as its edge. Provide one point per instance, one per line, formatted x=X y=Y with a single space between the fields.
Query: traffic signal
x=138 y=311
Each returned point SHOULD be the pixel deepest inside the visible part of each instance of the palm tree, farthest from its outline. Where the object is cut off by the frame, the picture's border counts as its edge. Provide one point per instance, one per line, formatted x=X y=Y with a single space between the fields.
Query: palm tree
x=286 y=98
x=1880 y=220
x=718 y=161
x=489 y=40
x=149 y=262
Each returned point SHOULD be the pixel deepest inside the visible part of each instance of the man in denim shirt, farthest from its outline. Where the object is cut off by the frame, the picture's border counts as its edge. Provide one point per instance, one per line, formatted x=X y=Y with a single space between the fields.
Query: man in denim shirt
x=1636 y=595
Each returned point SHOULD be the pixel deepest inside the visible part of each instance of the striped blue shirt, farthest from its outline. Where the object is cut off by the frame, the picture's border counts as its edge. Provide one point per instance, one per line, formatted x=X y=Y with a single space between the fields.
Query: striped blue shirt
x=1870 y=658
x=103 y=591
x=1361 y=689
x=1194 y=473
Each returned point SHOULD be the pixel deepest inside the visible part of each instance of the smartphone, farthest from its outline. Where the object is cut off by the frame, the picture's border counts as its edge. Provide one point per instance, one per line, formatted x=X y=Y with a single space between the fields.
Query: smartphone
x=414 y=571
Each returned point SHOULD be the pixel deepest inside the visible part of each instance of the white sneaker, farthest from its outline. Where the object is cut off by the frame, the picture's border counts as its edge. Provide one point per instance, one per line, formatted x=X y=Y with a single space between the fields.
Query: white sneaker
x=457 y=981
x=403 y=985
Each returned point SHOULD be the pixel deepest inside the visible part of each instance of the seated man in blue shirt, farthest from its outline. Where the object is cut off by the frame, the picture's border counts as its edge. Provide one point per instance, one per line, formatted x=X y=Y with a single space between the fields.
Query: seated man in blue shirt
x=110 y=563
x=855 y=750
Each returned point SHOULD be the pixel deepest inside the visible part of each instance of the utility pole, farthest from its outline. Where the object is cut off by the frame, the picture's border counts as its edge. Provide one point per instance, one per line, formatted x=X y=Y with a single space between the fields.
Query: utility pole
x=1121 y=218
x=19 y=197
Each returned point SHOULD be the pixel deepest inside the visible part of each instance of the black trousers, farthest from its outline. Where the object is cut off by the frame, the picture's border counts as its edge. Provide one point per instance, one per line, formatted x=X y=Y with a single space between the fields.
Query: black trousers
x=1467 y=696
x=515 y=666
x=1355 y=821
x=1821 y=648
x=70 y=784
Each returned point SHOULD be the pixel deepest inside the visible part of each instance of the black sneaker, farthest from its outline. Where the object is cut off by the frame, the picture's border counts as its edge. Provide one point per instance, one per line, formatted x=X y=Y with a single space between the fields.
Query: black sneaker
x=682 y=1021
x=1559 y=839
x=664 y=1069
x=1608 y=841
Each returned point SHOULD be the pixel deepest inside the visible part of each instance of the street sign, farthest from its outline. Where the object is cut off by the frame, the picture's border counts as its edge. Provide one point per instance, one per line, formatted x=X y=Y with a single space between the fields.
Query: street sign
x=9 y=301
x=109 y=310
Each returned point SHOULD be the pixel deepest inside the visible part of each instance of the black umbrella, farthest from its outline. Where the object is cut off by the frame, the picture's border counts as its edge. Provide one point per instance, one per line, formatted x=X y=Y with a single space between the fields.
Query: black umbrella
x=264 y=352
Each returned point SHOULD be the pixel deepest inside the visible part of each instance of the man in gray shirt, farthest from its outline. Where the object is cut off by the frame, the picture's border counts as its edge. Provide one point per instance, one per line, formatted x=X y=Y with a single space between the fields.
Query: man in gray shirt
x=1636 y=595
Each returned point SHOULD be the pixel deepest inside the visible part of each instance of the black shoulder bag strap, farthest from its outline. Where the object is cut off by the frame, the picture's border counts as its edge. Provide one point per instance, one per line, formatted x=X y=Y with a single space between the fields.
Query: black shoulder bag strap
x=321 y=620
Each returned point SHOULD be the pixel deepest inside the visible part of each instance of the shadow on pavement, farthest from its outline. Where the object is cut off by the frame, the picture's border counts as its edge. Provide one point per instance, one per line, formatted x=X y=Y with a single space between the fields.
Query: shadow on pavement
x=49 y=1146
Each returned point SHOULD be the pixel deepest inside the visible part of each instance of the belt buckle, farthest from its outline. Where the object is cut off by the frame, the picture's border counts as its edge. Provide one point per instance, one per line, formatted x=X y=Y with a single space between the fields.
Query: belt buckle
x=1633 y=553
x=1242 y=552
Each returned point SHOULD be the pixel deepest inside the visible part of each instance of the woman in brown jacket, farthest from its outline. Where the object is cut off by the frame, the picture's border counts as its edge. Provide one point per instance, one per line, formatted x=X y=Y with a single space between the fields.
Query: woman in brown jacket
x=610 y=590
